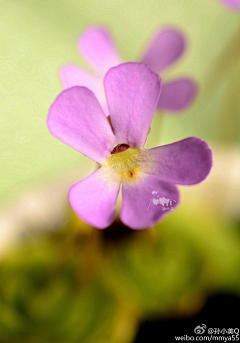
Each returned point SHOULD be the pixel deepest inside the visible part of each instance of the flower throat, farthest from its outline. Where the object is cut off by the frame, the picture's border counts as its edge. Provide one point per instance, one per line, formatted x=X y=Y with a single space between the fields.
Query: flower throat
x=124 y=162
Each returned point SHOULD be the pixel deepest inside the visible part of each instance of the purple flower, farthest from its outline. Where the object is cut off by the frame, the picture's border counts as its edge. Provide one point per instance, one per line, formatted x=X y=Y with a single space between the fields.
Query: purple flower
x=132 y=93
x=232 y=4
x=97 y=47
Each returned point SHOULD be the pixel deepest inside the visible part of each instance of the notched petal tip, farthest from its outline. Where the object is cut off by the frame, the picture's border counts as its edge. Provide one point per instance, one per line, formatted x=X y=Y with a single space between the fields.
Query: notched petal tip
x=132 y=92
x=199 y=159
x=186 y=162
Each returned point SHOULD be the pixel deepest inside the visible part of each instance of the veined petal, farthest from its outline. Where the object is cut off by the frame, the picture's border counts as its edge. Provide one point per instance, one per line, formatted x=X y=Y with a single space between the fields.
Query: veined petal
x=177 y=94
x=186 y=162
x=77 y=119
x=97 y=46
x=233 y=4
x=132 y=92
x=72 y=75
x=164 y=49
x=94 y=198
x=147 y=201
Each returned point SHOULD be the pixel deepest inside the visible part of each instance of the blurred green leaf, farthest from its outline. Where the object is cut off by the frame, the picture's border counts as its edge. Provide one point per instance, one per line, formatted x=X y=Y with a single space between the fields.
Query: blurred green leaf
x=77 y=285
x=188 y=256
x=45 y=296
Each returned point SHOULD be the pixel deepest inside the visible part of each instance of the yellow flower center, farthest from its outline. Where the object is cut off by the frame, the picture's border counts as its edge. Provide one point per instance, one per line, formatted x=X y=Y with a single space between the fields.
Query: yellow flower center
x=125 y=165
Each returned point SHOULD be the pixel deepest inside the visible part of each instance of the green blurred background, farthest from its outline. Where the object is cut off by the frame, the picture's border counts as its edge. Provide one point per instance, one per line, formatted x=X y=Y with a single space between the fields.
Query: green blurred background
x=62 y=280
x=37 y=37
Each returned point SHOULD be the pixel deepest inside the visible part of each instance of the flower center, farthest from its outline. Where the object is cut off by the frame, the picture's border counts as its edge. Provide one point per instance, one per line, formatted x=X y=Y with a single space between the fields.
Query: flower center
x=120 y=148
x=124 y=163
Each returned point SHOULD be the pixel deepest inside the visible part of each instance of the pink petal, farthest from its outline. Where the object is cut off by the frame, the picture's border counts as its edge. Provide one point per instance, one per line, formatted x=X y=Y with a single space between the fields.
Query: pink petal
x=94 y=199
x=132 y=92
x=233 y=4
x=77 y=119
x=97 y=46
x=186 y=162
x=72 y=75
x=138 y=210
x=177 y=94
x=166 y=47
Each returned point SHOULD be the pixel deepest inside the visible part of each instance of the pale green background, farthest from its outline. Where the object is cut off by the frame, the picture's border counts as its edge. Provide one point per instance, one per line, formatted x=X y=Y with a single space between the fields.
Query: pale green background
x=38 y=36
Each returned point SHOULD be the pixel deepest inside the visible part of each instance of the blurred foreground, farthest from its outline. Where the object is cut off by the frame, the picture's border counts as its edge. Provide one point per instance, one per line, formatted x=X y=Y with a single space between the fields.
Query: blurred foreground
x=69 y=282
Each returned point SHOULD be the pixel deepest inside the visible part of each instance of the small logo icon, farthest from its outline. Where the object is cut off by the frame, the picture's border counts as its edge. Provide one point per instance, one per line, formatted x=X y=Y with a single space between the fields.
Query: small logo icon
x=199 y=330
x=166 y=203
